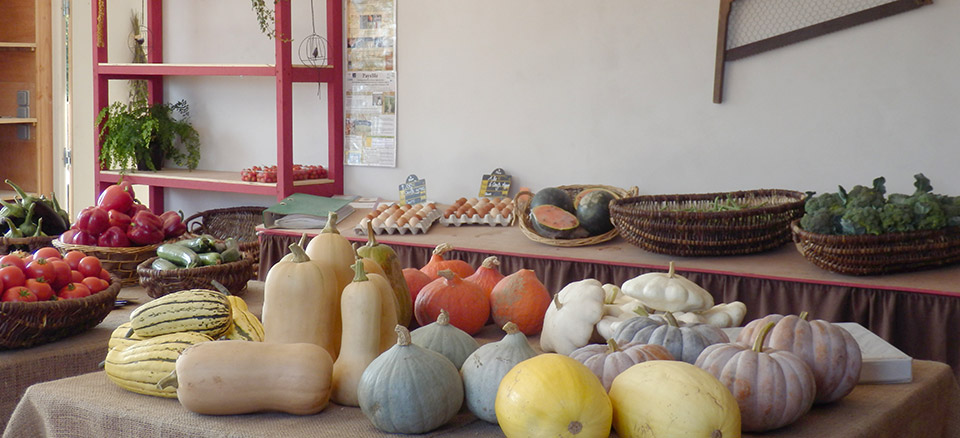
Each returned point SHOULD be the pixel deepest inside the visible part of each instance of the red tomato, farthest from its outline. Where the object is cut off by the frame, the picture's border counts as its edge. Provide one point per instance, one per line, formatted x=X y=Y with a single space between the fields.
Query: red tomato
x=73 y=258
x=89 y=266
x=105 y=275
x=63 y=275
x=47 y=252
x=95 y=284
x=18 y=293
x=12 y=276
x=40 y=268
x=40 y=288
x=75 y=277
x=12 y=260
x=74 y=290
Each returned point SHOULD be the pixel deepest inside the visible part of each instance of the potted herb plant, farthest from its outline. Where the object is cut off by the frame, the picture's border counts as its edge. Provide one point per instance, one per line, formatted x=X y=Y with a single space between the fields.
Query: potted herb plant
x=145 y=135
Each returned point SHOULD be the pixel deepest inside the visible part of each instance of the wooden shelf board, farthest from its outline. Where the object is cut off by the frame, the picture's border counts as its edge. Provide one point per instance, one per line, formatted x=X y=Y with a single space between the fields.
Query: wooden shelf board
x=10 y=45
x=301 y=73
x=214 y=180
x=17 y=120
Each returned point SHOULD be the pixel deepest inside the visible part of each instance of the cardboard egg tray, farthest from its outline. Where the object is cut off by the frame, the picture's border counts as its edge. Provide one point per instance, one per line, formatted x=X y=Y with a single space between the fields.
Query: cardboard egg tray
x=483 y=211
x=396 y=219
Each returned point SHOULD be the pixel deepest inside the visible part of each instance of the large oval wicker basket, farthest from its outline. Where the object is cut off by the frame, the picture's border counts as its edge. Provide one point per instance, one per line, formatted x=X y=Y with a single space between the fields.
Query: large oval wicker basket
x=28 y=324
x=234 y=276
x=121 y=261
x=883 y=254
x=523 y=216
x=679 y=225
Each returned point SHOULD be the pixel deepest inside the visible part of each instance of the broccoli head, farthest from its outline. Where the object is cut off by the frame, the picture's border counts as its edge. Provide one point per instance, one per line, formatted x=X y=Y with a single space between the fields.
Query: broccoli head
x=951 y=209
x=823 y=221
x=922 y=184
x=928 y=214
x=862 y=196
x=861 y=220
x=826 y=201
x=897 y=218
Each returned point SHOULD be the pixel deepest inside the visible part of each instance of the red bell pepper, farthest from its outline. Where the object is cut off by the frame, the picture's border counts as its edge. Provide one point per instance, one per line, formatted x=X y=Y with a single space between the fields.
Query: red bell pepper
x=173 y=225
x=93 y=220
x=114 y=237
x=119 y=219
x=84 y=238
x=145 y=218
x=146 y=229
x=115 y=197
x=136 y=208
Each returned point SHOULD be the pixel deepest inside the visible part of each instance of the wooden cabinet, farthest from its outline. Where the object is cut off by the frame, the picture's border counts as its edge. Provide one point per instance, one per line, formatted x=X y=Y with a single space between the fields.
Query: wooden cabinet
x=26 y=134
x=285 y=74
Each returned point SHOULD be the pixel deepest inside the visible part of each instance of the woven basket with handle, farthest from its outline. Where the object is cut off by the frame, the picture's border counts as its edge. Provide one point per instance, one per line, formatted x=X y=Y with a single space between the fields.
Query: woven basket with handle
x=237 y=222
x=523 y=216
x=233 y=275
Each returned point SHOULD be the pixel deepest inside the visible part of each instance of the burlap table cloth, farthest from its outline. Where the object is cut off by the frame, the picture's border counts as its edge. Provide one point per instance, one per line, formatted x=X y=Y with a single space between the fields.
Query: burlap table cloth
x=777 y=281
x=90 y=405
x=77 y=354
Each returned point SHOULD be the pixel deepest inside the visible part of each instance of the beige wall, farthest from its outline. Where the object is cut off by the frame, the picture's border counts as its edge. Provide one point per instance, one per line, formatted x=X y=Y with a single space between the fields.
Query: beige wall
x=615 y=92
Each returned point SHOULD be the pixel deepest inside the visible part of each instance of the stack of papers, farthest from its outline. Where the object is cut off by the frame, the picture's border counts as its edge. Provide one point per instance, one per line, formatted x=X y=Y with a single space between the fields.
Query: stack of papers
x=303 y=211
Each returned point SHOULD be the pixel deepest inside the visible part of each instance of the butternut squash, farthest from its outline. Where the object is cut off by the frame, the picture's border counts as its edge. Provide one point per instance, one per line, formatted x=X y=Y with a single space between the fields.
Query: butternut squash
x=360 y=308
x=388 y=311
x=300 y=303
x=392 y=271
x=331 y=248
x=238 y=377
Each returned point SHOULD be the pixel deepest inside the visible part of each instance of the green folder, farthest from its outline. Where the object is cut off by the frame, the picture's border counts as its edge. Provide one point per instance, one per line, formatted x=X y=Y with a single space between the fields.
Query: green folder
x=301 y=210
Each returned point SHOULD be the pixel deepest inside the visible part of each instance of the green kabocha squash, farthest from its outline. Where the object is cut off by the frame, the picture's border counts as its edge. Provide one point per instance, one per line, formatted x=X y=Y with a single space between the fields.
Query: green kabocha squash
x=432 y=391
x=446 y=339
x=485 y=367
x=386 y=257
x=684 y=341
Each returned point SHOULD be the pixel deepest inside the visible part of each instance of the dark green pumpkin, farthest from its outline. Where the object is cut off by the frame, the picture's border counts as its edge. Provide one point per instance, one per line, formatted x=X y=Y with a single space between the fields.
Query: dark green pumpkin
x=553 y=196
x=593 y=212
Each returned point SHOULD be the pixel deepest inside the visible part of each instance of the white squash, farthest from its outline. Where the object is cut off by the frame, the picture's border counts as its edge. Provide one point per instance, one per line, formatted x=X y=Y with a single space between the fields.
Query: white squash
x=569 y=322
x=668 y=292
x=722 y=315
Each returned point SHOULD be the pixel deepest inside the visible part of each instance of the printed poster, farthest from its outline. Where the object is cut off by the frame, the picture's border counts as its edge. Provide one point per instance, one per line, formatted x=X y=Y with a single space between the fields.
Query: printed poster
x=370 y=103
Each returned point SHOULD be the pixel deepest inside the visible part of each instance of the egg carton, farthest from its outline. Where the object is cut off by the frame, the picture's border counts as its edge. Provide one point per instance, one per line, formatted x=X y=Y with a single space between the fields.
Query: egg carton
x=481 y=211
x=476 y=219
x=380 y=227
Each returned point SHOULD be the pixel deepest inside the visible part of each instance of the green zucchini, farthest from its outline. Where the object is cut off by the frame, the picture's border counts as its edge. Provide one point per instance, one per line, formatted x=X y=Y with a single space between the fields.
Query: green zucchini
x=163 y=264
x=230 y=255
x=197 y=244
x=178 y=254
x=209 y=258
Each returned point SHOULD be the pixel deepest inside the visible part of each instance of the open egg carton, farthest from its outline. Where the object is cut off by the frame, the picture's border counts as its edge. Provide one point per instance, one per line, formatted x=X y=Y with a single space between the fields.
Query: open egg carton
x=390 y=218
x=483 y=211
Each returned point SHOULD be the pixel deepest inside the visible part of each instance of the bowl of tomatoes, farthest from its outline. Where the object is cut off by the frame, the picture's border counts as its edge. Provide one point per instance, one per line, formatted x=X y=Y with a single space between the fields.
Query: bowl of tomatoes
x=48 y=295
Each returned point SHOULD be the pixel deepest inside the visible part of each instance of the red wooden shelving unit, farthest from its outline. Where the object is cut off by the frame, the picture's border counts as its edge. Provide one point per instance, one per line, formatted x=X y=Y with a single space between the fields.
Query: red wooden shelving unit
x=286 y=74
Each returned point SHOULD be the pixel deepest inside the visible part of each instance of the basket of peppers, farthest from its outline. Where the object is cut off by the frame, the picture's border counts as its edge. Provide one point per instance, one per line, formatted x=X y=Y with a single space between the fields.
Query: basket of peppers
x=30 y=222
x=120 y=231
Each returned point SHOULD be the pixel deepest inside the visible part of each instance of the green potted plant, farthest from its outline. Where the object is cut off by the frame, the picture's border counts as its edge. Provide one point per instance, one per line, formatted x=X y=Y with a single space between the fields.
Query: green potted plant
x=144 y=135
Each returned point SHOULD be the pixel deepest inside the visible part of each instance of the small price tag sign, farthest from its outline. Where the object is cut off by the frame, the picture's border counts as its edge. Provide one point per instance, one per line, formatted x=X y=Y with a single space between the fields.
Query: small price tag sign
x=413 y=191
x=496 y=183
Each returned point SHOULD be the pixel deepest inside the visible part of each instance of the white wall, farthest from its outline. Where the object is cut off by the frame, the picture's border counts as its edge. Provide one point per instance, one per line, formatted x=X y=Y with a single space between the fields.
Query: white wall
x=615 y=92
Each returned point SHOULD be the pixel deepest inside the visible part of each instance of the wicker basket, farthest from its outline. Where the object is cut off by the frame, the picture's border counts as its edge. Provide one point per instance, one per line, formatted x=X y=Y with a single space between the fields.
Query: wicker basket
x=120 y=261
x=659 y=223
x=883 y=254
x=237 y=222
x=234 y=276
x=28 y=324
x=29 y=244
x=523 y=217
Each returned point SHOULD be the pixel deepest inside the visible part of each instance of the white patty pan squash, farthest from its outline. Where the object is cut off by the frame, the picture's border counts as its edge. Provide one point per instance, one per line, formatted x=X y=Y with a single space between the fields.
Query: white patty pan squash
x=668 y=292
x=409 y=389
x=722 y=315
x=569 y=320
x=484 y=369
x=552 y=395
x=665 y=398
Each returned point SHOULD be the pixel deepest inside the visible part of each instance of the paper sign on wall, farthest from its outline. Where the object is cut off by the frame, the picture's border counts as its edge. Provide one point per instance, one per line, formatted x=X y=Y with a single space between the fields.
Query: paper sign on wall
x=413 y=191
x=496 y=183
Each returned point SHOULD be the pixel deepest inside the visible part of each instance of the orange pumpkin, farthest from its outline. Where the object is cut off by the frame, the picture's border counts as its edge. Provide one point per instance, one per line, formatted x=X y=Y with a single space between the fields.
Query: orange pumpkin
x=438 y=263
x=520 y=297
x=416 y=280
x=487 y=275
x=464 y=301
